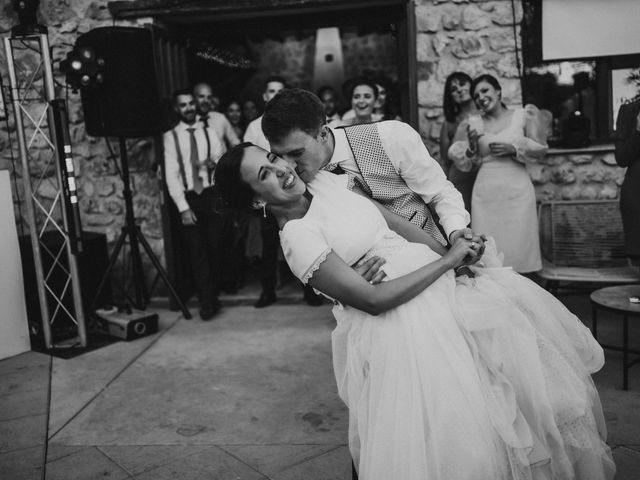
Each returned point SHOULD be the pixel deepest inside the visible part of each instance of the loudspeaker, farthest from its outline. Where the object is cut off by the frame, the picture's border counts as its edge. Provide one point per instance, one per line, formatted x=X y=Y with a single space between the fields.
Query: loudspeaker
x=92 y=263
x=126 y=104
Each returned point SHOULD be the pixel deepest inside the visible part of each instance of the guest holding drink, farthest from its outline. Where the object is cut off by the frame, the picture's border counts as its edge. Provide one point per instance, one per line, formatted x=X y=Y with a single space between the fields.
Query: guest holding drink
x=500 y=141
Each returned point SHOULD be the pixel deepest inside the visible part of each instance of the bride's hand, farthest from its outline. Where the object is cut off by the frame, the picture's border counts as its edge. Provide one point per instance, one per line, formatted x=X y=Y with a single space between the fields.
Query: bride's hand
x=459 y=251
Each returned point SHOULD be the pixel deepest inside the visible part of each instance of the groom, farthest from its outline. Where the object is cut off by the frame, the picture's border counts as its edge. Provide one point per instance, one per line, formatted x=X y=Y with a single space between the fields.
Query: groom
x=386 y=160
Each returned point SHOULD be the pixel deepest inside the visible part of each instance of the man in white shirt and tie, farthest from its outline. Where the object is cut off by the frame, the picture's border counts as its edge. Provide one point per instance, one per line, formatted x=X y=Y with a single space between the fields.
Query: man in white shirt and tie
x=190 y=155
x=217 y=121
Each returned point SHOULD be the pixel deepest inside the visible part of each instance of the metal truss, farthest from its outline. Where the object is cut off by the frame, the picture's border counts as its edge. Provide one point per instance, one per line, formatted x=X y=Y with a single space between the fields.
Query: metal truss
x=56 y=266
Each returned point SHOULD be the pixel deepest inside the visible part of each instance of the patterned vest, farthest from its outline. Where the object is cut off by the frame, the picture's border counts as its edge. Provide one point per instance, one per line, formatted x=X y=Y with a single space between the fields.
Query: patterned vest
x=383 y=183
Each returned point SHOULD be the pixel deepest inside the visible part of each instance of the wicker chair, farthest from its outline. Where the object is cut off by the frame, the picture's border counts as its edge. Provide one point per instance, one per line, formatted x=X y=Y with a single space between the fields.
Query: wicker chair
x=582 y=242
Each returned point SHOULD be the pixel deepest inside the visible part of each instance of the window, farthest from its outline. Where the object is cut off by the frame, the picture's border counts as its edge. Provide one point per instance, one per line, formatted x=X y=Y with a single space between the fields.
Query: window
x=583 y=94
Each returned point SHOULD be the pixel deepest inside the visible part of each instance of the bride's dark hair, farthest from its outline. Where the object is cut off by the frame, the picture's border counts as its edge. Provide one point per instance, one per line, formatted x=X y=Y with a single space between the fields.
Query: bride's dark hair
x=235 y=192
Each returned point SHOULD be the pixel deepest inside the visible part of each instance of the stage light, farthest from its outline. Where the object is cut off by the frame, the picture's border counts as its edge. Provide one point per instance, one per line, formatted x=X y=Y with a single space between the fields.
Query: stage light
x=82 y=68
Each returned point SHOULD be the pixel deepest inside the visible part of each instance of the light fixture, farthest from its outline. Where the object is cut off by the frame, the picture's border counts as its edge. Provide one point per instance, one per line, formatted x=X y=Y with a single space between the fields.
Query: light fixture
x=82 y=68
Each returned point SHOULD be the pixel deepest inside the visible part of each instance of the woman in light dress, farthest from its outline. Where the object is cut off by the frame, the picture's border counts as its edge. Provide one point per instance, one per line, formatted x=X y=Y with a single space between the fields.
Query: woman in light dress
x=364 y=96
x=486 y=378
x=457 y=105
x=500 y=141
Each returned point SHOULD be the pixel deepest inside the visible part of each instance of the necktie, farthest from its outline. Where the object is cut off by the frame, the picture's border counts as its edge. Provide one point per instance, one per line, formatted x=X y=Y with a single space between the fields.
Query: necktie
x=195 y=167
x=334 y=168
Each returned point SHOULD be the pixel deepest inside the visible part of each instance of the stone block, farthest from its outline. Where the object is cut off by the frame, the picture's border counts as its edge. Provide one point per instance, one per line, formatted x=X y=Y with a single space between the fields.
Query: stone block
x=451 y=17
x=506 y=66
x=8 y=19
x=426 y=69
x=428 y=19
x=609 y=159
x=114 y=208
x=431 y=113
x=511 y=91
x=468 y=45
x=581 y=159
x=500 y=40
x=429 y=93
x=577 y=192
x=55 y=12
x=608 y=192
x=424 y=47
x=440 y=42
x=539 y=174
x=563 y=175
x=503 y=14
x=473 y=18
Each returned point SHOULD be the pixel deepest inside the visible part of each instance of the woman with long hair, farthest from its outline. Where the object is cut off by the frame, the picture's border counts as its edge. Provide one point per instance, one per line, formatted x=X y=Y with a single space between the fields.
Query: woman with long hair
x=233 y=112
x=364 y=95
x=489 y=379
x=499 y=142
x=457 y=105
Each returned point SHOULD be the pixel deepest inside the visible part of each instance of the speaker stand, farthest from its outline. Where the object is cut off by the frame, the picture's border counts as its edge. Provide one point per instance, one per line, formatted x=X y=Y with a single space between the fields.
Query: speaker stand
x=132 y=232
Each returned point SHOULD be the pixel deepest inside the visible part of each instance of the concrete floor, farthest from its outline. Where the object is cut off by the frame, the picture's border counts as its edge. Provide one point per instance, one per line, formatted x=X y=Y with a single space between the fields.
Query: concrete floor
x=250 y=395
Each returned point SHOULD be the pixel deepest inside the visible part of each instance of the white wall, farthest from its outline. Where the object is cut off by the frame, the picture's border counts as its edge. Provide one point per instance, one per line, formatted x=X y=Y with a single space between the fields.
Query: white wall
x=590 y=28
x=14 y=330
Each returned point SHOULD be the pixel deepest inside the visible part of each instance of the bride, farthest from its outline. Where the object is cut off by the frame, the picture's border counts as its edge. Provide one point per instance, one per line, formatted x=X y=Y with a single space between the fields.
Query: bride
x=484 y=379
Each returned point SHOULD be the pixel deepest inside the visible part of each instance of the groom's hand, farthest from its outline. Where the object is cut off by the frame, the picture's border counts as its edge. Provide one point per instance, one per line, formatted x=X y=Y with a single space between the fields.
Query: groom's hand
x=477 y=246
x=370 y=269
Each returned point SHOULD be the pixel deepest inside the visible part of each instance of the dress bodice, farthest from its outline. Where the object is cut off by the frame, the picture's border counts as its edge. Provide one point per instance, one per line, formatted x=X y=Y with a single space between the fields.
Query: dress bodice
x=337 y=220
x=510 y=134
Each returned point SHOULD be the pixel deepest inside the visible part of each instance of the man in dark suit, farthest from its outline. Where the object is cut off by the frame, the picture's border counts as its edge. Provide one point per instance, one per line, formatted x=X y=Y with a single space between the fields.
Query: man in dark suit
x=628 y=155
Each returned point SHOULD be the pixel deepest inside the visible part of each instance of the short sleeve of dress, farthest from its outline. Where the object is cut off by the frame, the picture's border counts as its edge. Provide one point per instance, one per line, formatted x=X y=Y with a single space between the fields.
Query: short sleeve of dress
x=304 y=247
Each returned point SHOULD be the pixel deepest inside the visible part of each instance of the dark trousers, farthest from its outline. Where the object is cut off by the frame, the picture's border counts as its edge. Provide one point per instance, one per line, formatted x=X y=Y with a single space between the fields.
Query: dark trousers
x=208 y=243
x=270 y=247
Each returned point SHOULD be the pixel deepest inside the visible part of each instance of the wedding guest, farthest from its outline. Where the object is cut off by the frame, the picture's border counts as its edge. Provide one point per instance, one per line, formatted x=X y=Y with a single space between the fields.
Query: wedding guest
x=364 y=94
x=329 y=98
x=500 y=141
x=191 y=151
x=628 y=155
x=211 y=118
x=233 y=112
x=249 y=111
x=457 y=105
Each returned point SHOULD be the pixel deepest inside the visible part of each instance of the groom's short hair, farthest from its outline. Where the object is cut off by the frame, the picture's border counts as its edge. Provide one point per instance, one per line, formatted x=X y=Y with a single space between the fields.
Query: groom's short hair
x=293 y=109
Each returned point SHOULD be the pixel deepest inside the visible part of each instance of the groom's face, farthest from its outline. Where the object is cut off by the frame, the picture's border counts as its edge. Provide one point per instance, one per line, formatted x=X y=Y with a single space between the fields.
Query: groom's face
x=308 y=153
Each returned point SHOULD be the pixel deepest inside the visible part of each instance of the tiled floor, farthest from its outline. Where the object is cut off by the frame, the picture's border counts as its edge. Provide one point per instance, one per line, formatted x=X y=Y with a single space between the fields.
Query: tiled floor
x=250 y=395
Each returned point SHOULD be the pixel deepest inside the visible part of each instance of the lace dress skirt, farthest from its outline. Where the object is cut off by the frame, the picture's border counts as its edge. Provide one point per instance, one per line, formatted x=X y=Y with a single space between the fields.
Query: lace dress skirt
x=432 y=397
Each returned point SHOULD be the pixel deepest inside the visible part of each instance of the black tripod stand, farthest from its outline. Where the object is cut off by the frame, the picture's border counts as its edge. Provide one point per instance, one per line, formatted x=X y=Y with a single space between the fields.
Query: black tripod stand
x=132 y=232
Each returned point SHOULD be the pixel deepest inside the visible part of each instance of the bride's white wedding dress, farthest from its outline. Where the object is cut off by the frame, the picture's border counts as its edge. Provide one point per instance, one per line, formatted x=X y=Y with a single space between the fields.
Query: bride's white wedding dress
x=474 y=379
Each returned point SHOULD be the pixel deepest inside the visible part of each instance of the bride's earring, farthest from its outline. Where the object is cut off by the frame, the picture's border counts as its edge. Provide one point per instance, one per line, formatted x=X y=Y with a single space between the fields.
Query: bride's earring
x=260 y=204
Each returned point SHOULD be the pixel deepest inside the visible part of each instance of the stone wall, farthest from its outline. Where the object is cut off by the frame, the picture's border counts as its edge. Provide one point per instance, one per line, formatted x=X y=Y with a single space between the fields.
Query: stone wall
x=590 y=174
x=460 y=35
x=99 y=185
x=477 y=36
